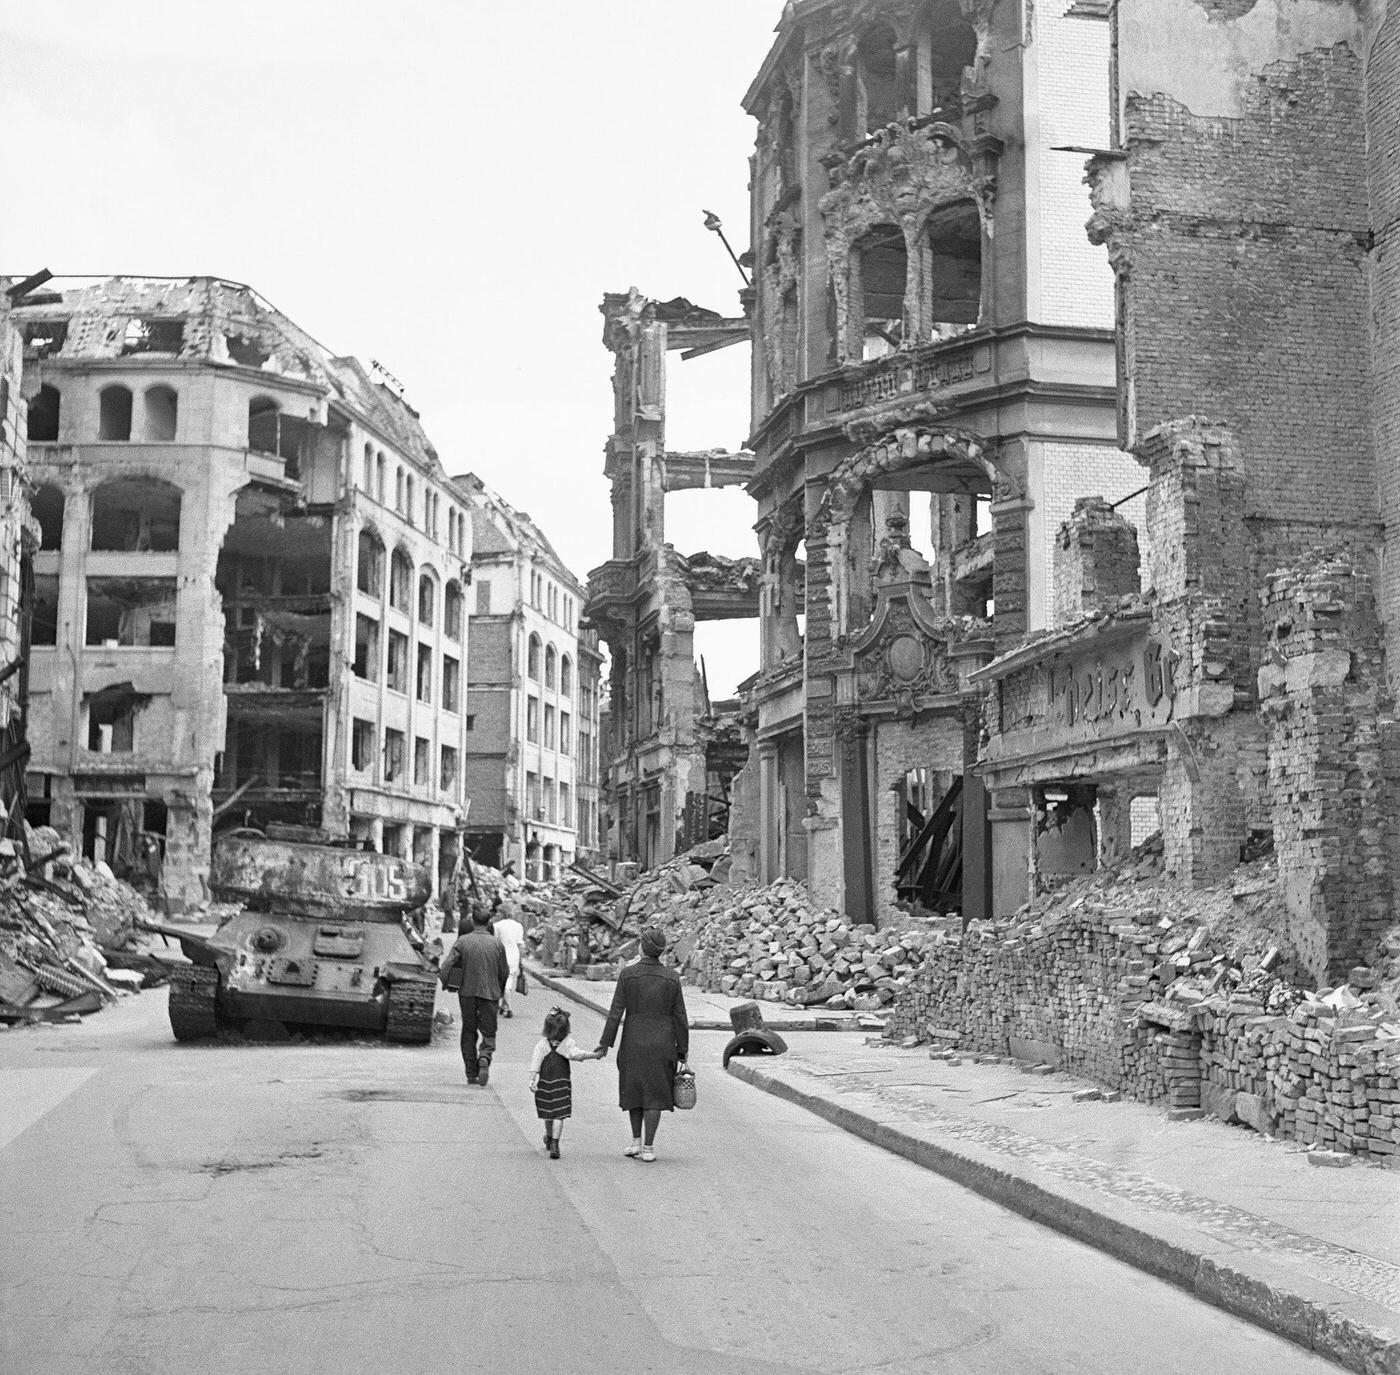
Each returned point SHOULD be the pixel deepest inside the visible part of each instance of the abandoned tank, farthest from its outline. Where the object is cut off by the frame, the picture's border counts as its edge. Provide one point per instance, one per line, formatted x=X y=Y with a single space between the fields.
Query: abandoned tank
x=320 y=940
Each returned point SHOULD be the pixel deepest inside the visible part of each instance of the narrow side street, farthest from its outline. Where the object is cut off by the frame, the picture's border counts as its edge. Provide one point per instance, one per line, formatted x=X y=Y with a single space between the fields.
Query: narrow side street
x=348 y=1205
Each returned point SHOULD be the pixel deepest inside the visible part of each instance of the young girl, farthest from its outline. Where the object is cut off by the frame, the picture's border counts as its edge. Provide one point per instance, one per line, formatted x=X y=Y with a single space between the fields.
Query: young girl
x=550 y=1076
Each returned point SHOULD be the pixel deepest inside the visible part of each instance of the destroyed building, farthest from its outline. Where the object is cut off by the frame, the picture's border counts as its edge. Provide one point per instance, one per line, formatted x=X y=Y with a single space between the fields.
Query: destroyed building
x=671 y=759
x=933 y=384
x=532 y=697
x=249 y=591
x=1242 y=691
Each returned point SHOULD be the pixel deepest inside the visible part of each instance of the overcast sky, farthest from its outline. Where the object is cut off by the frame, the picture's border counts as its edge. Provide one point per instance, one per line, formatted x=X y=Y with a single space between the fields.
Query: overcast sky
x=447 y=186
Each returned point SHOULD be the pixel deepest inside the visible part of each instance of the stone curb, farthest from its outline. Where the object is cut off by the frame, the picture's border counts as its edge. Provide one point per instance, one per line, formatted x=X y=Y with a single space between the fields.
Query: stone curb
x=701 y=1023
x=1247 y=1285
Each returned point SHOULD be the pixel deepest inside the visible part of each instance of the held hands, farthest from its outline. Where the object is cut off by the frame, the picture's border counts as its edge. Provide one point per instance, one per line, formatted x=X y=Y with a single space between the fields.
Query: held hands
x=534 y=1082
x=600 y=1053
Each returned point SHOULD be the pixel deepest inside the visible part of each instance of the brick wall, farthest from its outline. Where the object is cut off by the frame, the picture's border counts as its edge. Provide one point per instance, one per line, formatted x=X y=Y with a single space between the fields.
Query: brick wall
x=1096 y=561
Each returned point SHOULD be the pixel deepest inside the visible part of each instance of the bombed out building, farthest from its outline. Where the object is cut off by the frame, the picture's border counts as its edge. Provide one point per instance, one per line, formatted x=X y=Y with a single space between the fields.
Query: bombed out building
x=1243 y=686
x=249 y=592
x=933 y=385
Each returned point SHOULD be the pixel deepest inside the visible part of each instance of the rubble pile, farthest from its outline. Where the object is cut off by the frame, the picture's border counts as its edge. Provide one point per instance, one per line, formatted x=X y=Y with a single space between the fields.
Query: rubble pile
x=1171 y=996
x=65 y=928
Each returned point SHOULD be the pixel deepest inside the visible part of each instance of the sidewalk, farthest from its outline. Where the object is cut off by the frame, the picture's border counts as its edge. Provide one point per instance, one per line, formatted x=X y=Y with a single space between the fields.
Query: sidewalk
x=1245 y=1223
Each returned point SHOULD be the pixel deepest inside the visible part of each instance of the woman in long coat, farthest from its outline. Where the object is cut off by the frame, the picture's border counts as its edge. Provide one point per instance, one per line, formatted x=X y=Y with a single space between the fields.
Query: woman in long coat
x=650 y=1008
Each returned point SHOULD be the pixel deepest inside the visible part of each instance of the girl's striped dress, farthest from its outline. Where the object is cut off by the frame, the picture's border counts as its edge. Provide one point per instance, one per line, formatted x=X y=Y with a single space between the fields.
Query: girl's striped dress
x=554 y=1090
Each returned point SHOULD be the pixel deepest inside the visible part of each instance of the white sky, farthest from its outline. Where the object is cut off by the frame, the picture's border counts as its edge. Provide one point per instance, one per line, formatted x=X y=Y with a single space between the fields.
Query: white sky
x=447 y=186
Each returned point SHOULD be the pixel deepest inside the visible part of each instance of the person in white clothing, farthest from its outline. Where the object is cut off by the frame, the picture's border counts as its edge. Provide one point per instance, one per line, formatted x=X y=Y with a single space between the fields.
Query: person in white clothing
x=511 y=934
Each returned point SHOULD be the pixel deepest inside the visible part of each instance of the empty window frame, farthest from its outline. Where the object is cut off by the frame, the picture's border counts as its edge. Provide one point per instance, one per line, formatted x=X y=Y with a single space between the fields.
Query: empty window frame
x=564 y=804
x=422 y=763
x=114 y=414
x=43 y=624
x=451 y=683
x=393 y=755
x=408 y=498
x=565 y=732
x=566 y=676
x=271 y=431
x=532 y=720
x=47 y=508
x=42 y=427
x=111 y=720
x=136 y=515
x=447 y=769
x=427 y=598
x=361 y=744
x=880 y=269
x=379 y=477
x=423 y=683
x=153 y=336
x=548 y=727
x=452 y=612
x=131 y=612
x=400 y=581
x=160 y=409
x=369 y=564
x=953 y=274
x=532 y=659
x=398 y=661
x=881 y=101
x=551 y=668
x=367 y=471
x=952 y=47
x=263 y=414
x=366 y=648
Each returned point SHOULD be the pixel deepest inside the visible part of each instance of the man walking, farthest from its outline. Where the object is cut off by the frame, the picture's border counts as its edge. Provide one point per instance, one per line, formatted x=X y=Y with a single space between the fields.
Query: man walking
x=484 y=975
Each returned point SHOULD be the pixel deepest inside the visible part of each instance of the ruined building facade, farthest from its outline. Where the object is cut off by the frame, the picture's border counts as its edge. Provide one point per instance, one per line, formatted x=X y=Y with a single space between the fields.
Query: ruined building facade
x=250 y=598
x=532 y=697
x=670 y=760
x=1242 y=691
x=933 y=384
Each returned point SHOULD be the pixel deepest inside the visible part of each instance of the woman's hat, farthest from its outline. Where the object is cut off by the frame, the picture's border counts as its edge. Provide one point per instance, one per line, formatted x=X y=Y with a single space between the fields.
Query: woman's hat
x=653 y=941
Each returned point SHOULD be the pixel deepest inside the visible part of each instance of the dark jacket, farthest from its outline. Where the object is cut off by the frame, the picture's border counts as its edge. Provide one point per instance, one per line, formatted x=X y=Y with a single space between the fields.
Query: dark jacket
x=650 y=1008
x=485 y=968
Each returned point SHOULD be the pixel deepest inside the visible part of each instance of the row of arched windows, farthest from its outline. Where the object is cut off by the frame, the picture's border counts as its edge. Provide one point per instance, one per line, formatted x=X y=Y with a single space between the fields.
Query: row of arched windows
x=129 y=515
x=556 y=666
x=425 y=513
x=369 y=579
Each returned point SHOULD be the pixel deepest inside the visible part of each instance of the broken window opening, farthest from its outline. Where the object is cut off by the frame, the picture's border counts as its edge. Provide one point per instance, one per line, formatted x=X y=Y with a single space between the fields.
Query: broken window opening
x=881 y=100
x=379 y=477
x=532 y=662
x=262 y=425
x=532 y=720
x=44 y=338
x=408 y=489
x=153 y=336
x=369 y=564
x=565 y=732
x=398 y=489
x=452 y=611
x=114 y=414
x=366 y=648
x=423 y=686
x=398 y=662
x=47 y=507
x=551 y=665
x=367 y=473
x=451 y=683
x=246 y=352
x=42 y=421
x=422 y=768
x=136 y=515
x=43 y=621
x=272 y=431
x=566 y=676
x=111 y=719
x=882 y=269
x=427 y=598
x=394 y=742
x=447 y=771
x=400 y=580
x=929 y=869
x=549 y=715
x=954 y=276
x=161 y=405
x=131 y=612
x=361 y=744
x=952 y=47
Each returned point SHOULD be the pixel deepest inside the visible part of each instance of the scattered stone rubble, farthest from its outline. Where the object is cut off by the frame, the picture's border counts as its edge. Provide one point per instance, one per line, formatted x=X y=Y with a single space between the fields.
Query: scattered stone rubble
x=69 y=939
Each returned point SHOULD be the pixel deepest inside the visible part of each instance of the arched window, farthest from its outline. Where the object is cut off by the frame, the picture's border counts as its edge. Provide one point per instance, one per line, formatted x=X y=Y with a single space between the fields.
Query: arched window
x=952 y=47
x=367 y=475
x=551 y=663
x=47 y=507
x=879 y=81
x=114 y=413
x=532 y=666
x=262 y=425
x=954 y=274
x=379 y=477
x=398 y=489
x=162 y=407
x=43 y=416
x=400 y=580
x=369 y=564
x=566 y=676
x=427 y=598
x=880 y=264
x=408 y=498
x=136 y=515
x=452 y=611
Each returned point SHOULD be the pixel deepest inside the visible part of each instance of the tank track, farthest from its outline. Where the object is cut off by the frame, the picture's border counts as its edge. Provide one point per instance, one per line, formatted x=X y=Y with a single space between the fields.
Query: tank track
x=411 y=1011
x=194 y=990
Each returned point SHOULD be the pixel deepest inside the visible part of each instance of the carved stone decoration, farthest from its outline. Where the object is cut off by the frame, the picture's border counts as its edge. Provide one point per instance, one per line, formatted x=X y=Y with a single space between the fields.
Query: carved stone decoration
x=850 y=725
x=902 y=656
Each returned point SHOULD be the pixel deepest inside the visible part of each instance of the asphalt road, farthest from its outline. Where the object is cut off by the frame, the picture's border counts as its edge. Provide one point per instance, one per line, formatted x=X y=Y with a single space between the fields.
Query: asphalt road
x=343 y=1206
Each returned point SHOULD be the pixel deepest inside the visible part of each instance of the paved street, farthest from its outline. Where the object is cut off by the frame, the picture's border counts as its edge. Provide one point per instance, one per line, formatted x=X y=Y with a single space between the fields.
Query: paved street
x=345 y=1205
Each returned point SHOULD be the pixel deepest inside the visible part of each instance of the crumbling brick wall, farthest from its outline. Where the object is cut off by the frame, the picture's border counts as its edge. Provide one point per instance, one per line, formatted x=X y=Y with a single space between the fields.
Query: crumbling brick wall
x=1333 y=747
x=1096 y=561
